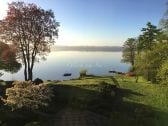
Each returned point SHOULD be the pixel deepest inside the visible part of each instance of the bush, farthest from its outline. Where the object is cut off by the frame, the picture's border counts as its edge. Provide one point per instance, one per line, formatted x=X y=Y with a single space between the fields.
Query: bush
x=83 y=73
x=38 y=81
x=107 y=89
x=162 y=74
x=27 y=95
x=147 y=69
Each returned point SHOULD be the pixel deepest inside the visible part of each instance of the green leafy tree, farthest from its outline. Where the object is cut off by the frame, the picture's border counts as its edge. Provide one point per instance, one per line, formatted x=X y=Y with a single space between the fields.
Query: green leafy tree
x=147 y=59
x=129 y=51
x=143 y=65
x=148 y=38
x=32 y=30
x=164 y=22
x=162 y=74
x=147 y=63
x=162 y=50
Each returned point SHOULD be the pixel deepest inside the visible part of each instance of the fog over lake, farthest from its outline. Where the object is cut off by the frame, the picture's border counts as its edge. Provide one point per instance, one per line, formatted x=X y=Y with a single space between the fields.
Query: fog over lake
x=60 y=62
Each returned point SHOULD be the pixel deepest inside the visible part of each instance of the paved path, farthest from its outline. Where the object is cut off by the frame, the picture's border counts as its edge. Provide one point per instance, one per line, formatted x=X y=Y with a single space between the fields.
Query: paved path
x=71 y=117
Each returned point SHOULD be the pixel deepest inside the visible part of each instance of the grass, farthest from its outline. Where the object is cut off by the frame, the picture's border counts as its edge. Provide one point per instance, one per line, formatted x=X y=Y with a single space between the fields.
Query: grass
x=141 y=103
x=137 y=104
x=153 y=95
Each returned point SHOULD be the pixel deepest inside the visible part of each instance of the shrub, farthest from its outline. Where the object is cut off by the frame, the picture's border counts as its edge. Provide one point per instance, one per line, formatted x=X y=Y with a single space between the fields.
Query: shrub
x=107 y=89
x=38 y=81
x=83 y=73
x=27 y=95
x=162 y=73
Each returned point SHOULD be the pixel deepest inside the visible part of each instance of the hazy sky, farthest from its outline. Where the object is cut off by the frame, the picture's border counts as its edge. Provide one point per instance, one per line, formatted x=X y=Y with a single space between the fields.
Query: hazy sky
x=99 y=22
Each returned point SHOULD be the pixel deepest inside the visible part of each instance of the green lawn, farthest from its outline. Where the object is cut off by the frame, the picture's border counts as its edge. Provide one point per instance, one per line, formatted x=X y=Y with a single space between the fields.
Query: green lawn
x=153 y=95
x=133 y=104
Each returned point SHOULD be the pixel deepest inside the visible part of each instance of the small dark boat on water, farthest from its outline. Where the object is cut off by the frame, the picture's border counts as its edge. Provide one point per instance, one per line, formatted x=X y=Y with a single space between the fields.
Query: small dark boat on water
x=67 y=74
x=112 y=71
x=117 y=72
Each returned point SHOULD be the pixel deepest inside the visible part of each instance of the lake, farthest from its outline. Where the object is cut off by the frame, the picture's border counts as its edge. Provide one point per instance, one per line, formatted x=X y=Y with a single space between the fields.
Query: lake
x=60 y=62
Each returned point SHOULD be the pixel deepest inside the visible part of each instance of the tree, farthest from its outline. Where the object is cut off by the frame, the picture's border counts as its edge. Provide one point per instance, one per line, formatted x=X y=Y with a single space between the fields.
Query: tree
x=144 y=66
x=164 y=22
x=162 y=74
x=147 y=63
x=148 y=38
x=32 y=30
x=129 y=51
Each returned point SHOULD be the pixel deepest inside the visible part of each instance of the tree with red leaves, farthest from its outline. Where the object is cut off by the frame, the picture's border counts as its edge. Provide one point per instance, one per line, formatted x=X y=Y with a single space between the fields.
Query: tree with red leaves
x=31 y=30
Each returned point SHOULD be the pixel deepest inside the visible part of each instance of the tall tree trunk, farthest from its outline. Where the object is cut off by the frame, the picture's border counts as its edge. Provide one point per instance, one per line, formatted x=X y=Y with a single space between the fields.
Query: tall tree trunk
x=25 y=64
x=30 y=74
x=148 y=75
x=25 y=72
x=31 y=67
x=132 y=63
x=136 y=78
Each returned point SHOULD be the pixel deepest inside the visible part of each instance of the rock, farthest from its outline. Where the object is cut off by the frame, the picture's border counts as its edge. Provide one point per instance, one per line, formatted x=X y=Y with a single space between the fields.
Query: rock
x=37 y=81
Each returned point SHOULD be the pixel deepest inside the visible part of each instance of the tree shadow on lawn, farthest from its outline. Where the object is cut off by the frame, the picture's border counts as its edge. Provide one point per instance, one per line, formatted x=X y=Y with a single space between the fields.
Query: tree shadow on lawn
x=120 y=112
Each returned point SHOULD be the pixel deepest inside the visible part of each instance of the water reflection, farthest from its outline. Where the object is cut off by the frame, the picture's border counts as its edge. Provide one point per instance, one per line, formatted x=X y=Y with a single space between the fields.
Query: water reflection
x=58 y=63
x=8 y=62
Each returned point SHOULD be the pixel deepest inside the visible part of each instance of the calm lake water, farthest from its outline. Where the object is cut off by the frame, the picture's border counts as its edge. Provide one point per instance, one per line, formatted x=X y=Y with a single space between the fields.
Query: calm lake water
x=60 y=62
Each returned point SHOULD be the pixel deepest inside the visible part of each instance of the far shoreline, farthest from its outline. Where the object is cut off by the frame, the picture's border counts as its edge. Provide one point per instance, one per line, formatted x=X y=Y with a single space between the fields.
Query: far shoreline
x=88 y=48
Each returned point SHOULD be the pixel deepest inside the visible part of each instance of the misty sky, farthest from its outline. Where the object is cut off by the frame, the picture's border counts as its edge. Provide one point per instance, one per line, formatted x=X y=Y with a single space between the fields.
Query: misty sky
x=99 y=22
